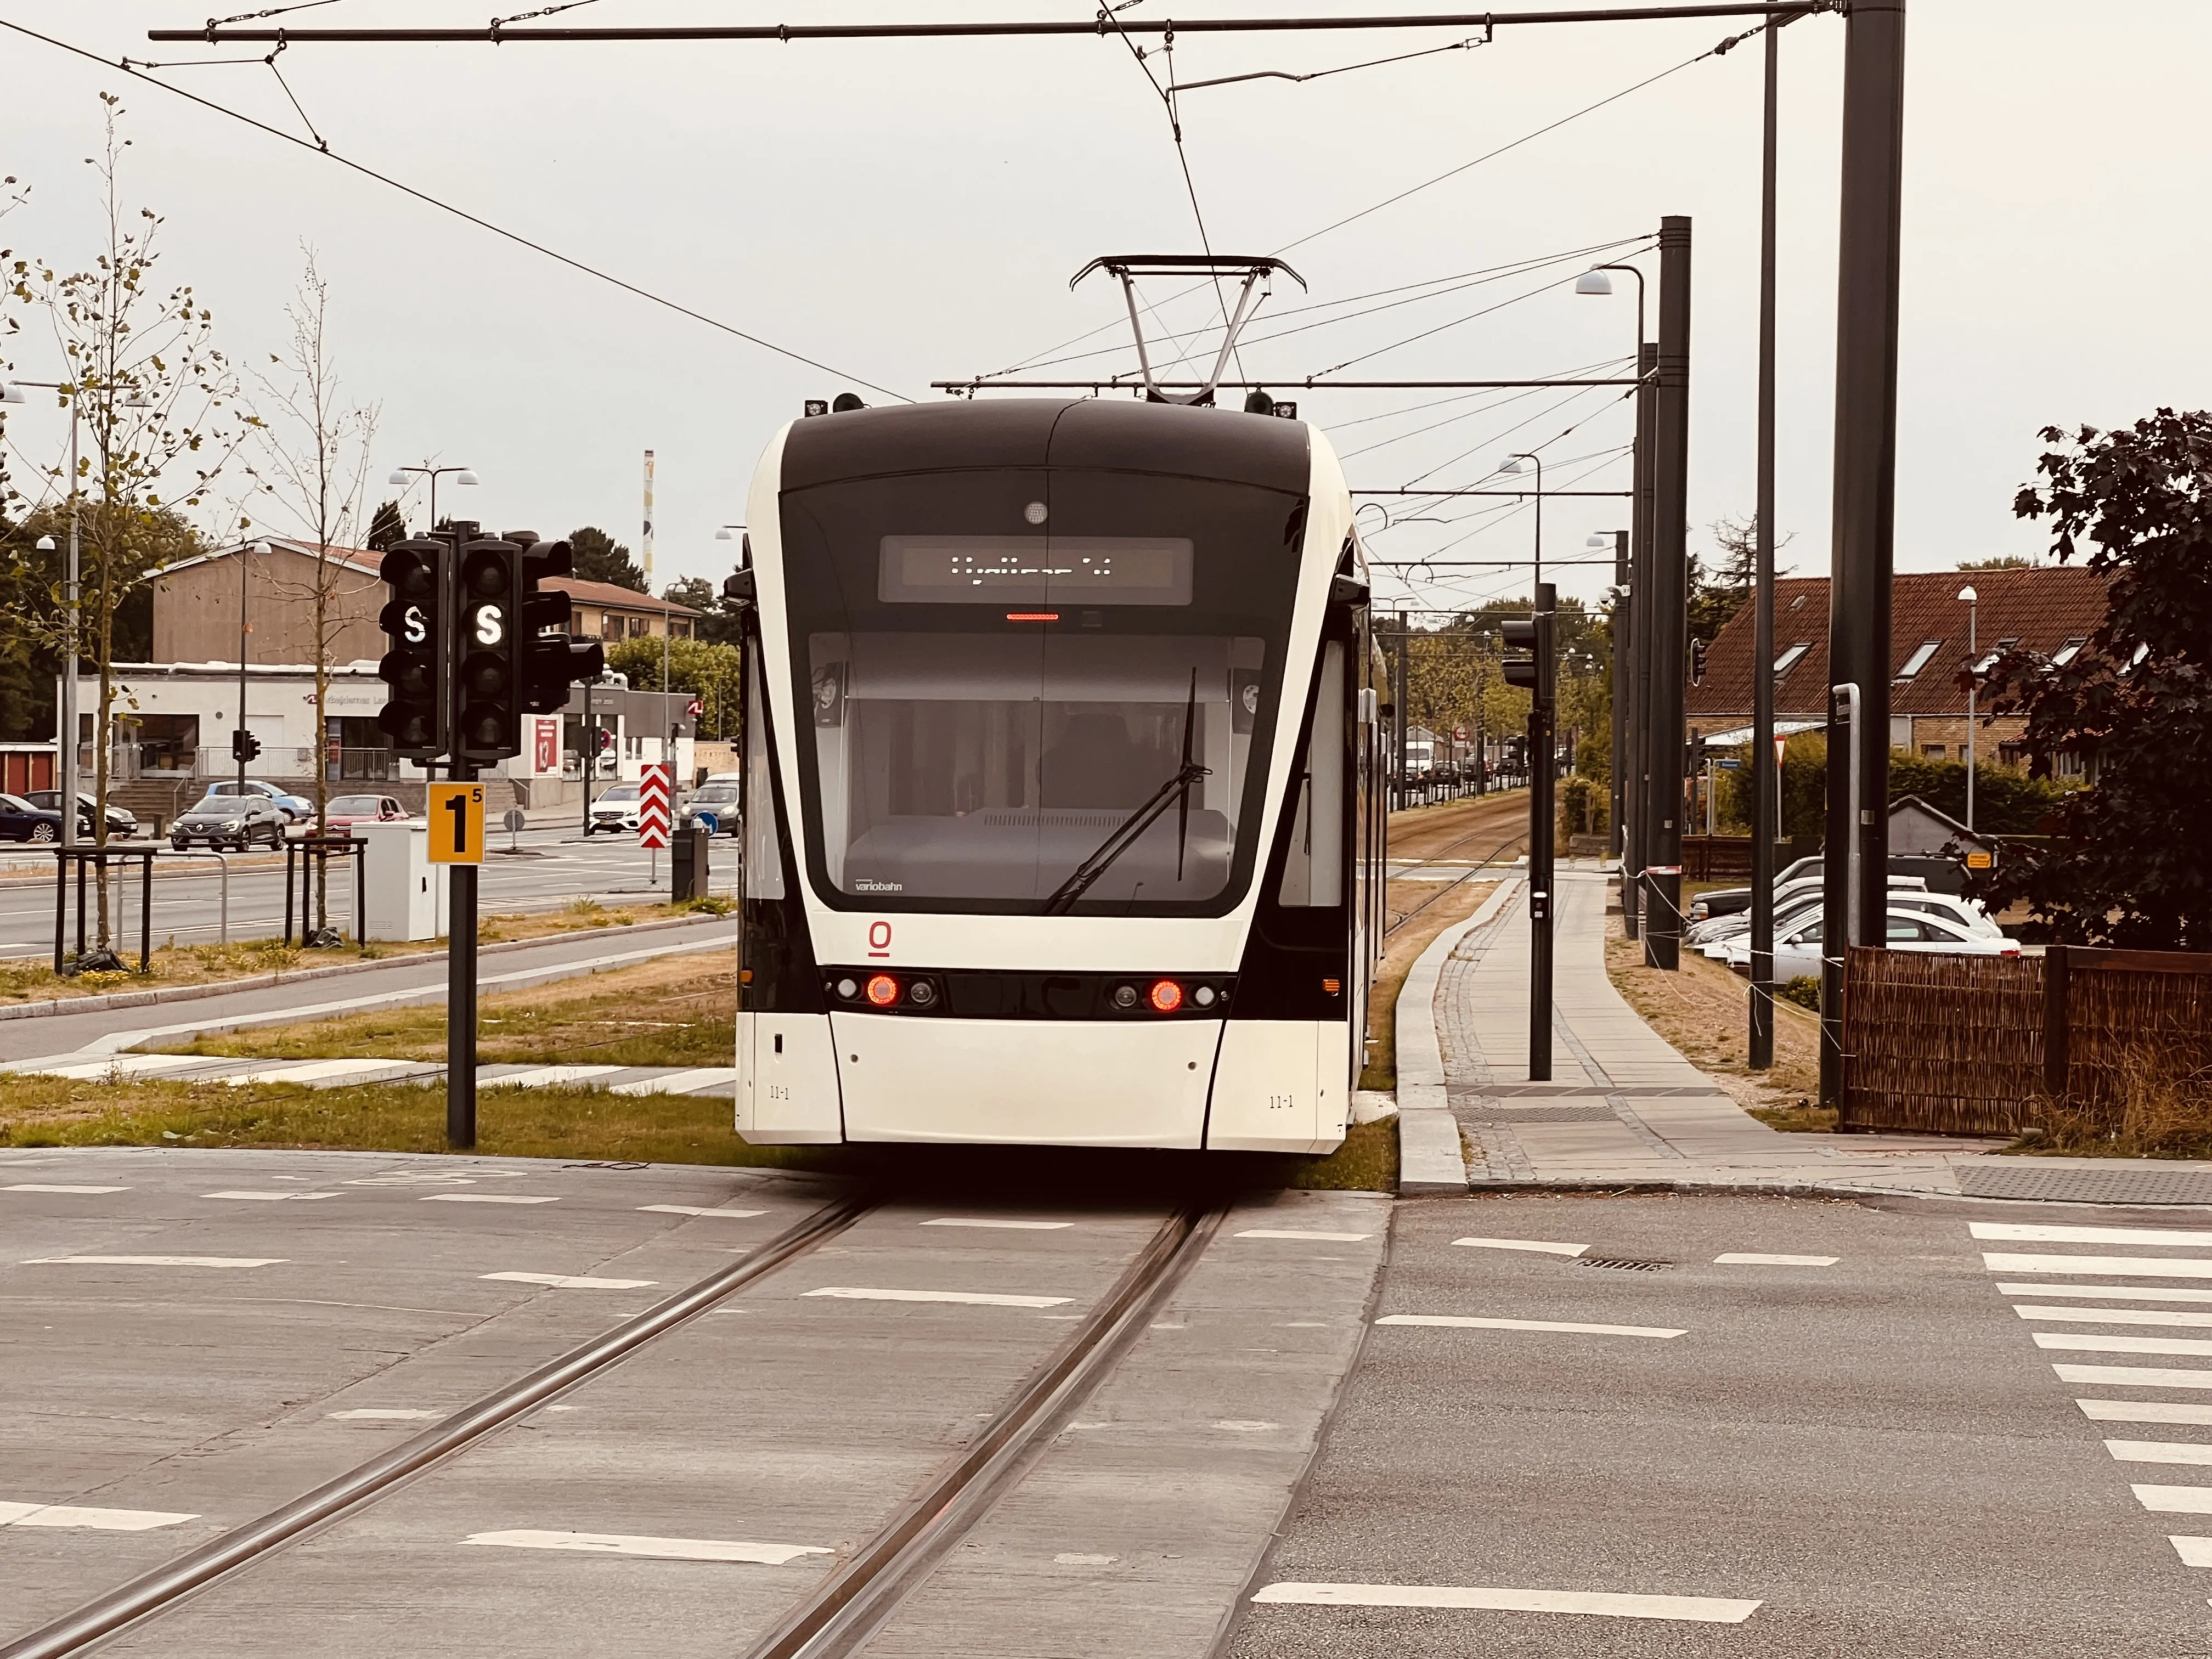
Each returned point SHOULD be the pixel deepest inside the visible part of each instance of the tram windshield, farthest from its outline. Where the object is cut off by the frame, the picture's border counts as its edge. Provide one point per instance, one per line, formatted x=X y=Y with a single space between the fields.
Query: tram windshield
x=1011 y=716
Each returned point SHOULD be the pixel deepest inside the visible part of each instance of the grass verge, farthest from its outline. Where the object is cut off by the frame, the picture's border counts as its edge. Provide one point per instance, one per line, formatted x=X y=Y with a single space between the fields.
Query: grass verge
x=1400 y=951
x=674 y=1011
x=174 y=964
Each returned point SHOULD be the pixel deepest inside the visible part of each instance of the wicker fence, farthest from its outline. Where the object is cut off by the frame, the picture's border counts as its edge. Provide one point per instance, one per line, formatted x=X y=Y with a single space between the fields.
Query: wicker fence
x=1717 y=858
x=1974 y=1045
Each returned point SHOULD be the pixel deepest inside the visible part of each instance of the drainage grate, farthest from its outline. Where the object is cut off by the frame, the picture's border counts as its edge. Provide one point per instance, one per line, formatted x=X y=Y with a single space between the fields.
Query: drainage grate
x=1624 y=1263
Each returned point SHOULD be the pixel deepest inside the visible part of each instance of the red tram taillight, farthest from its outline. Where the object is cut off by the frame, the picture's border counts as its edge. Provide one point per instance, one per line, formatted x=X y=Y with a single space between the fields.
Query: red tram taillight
x=883 y=990
x=1166 y=996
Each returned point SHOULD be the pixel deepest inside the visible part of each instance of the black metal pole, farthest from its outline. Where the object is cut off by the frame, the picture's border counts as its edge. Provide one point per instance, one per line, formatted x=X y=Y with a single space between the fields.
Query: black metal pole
x=588 y=761
x=1857 y=853
x=1618 y=673
x=1669 y=585
x=1638 y=805
x=146 y=910
x=461 y=998
x=1541 y=903
x=61 y=905
x=1398 y=703
x=1765 y=782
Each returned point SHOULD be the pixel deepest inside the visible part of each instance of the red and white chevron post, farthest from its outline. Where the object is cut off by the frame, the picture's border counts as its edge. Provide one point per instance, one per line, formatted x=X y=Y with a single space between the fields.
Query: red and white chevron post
x=656 y=788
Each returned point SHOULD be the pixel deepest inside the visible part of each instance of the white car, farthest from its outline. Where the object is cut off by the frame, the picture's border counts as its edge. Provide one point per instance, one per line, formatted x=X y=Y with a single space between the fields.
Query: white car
x=1797 y=954
x=1960 y=912
x=616 y=809
x=1788 y=896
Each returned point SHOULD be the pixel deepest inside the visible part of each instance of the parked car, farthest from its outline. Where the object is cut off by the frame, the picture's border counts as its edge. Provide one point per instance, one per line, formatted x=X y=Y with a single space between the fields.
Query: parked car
x=616 y=809
x=346 y=810
x=714 y=804
x=1797 y=955
x=120 y=820
x=230 y=821
x=297 y=809
x=1960 y=912
x=1787 y=895
x=21 y=821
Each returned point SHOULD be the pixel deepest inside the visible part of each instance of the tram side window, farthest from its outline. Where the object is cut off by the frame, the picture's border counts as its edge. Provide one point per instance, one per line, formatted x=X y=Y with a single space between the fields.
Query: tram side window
x=1313 y=874
x=763 y=852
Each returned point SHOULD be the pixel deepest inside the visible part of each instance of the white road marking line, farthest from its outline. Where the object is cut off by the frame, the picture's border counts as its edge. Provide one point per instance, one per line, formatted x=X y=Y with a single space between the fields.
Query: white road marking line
x=1703 y=1609
x=2109 y=1292
x=2194 y=1551
x=659 y=1549
x=2023 y=1234
x=696 y=1209
x=57 y=1187
x=434 y=1178
x=2134 y=1376
x=71 y=1514
x=1544 y=1246
x=572 y=1281
x=1293 y=1232
x=159 y=1260
x=2175 y=1500
x=2160 y=1451
x=2147 y=1410
x=1246 y=1425
x=2151 y=1267
x=1753 y=1258
x=1016 y=1227
x=983 y=1298
x=1457 y=1322
x=268 y=1198
x=2115 y=1315
x=1071 y=1559
x=374 y=1414
x=483 y=1198
x=2097 y=1342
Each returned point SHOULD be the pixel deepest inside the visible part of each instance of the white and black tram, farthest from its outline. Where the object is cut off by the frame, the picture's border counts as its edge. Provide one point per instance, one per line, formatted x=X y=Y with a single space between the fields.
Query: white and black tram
x=1061 y=782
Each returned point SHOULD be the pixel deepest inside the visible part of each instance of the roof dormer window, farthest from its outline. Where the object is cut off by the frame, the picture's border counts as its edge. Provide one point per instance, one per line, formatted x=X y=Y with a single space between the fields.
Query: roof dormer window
x=1789 y=660
x=1918 y=659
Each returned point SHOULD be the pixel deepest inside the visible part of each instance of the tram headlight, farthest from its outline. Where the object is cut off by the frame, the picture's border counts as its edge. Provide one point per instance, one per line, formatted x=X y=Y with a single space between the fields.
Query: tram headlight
x=849 y=988
x=1125 y=996
x=1203 y=996
x=1166 y=996
x=883 y=990
x=922 y=994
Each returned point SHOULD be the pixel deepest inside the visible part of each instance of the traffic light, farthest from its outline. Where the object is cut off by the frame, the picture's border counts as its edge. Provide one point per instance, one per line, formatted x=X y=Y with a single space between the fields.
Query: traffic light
x=1697 y=662
x=1534 y=672
x=415 y=666
x=489 y=644
x=244 y=745
x=551 y=661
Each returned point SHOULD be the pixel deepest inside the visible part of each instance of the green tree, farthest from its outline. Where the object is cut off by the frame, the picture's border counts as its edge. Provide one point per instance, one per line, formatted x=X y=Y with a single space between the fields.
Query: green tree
x=600 y=558
x=718 y=618
x=2127 y=867
x=2008 y=561
x=387 y=527
x=709 y=671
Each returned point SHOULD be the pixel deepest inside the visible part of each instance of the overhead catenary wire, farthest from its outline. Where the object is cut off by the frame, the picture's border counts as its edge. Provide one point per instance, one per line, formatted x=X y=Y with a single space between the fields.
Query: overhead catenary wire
x=482 y=223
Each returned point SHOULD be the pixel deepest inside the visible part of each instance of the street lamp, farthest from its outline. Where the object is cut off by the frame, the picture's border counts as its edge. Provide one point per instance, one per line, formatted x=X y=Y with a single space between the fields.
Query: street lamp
x=1513 y=465
x=1972 y=601
x=400 y=478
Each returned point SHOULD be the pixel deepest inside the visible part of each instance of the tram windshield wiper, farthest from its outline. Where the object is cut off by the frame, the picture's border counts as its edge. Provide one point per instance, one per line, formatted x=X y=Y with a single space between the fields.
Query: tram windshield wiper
x=1132 y=829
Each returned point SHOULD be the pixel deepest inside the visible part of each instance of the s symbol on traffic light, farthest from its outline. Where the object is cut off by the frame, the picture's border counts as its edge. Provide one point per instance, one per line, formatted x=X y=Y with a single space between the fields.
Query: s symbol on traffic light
x=491 y=624
x=414 y=627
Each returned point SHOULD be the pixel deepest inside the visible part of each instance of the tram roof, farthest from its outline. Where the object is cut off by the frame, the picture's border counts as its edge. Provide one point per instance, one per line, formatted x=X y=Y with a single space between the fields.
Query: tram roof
x=1090 y=432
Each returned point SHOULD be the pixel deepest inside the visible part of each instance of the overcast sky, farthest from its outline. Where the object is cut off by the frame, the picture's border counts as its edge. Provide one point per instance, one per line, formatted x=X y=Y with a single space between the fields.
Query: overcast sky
x=910 y=211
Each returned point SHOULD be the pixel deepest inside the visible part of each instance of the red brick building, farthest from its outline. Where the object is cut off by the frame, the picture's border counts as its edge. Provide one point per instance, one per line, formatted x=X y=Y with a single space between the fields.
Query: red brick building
x=2049 y=609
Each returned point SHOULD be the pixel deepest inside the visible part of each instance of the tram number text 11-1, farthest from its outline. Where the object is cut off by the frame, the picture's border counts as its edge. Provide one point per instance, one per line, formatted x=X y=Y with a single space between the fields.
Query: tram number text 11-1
x=457 y=824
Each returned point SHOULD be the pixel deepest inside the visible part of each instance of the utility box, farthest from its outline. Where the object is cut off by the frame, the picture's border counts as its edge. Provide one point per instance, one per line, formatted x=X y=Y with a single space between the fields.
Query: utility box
x=405 y=894
x=687 y=862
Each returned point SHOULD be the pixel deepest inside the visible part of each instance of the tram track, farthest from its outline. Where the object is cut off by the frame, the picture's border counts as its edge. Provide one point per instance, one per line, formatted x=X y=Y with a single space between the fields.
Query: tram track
x=135 y=1603
x=1487 y=861
x=838 y=1616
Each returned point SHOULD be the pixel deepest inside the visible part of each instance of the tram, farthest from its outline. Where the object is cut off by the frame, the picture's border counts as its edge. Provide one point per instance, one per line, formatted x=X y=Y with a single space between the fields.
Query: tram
x=1062 y=779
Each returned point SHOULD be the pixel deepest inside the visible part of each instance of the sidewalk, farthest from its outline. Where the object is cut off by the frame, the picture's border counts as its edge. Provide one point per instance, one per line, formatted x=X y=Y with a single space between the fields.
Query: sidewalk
x=1623 y=1109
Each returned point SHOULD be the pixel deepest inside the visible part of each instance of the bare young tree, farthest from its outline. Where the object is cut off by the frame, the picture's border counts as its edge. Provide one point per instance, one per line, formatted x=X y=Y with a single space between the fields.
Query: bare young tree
x=154 y=399
x=309 y=461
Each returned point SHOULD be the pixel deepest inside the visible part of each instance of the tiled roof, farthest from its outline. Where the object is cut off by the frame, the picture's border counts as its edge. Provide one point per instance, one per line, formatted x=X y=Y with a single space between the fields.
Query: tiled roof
x=607 y=593
x=2041 y=608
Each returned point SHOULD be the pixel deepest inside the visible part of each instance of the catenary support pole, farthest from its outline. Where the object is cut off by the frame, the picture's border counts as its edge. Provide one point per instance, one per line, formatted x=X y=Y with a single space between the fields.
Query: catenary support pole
x=1632 y=898
x=1857 y=854
x=1542 y=891
x=1670 y=484
x=1622 y=623
x=1766 y=779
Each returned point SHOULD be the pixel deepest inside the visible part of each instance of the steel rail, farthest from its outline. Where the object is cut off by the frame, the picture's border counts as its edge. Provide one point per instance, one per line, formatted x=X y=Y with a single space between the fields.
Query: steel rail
x=841 y=1616
x=1291 y=383
x=154 y=1593
x=495 y=35
x=1434 y=858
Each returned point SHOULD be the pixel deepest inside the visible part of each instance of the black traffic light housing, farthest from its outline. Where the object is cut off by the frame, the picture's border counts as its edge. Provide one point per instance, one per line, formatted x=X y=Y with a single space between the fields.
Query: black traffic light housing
x=551 y=661
x=1537 y=672
x=244 y=745
x=415 y=715
x=488 y=646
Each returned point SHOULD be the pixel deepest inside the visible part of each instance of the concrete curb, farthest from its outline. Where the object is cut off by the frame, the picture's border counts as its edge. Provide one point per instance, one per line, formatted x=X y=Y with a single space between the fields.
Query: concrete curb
x=1430 y=1159
x=262 y=981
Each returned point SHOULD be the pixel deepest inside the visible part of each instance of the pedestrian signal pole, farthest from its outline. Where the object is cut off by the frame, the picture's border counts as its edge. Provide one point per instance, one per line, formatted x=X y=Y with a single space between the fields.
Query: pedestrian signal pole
x=1538 y=674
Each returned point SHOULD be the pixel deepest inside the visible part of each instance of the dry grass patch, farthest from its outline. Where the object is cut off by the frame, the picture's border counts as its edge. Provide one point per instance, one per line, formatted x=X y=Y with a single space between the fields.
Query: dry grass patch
x=674 y=1011
x=1704 y=1011
x=2154 y=1104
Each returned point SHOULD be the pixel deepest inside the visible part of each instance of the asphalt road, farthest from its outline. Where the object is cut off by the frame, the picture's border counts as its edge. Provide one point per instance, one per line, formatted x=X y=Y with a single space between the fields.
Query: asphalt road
x=558 y=866
x=274 y=1319
x=1872 y=1456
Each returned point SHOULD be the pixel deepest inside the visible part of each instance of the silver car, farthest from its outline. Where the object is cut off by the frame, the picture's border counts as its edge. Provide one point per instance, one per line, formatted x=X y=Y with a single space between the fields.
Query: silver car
x=230 y=821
